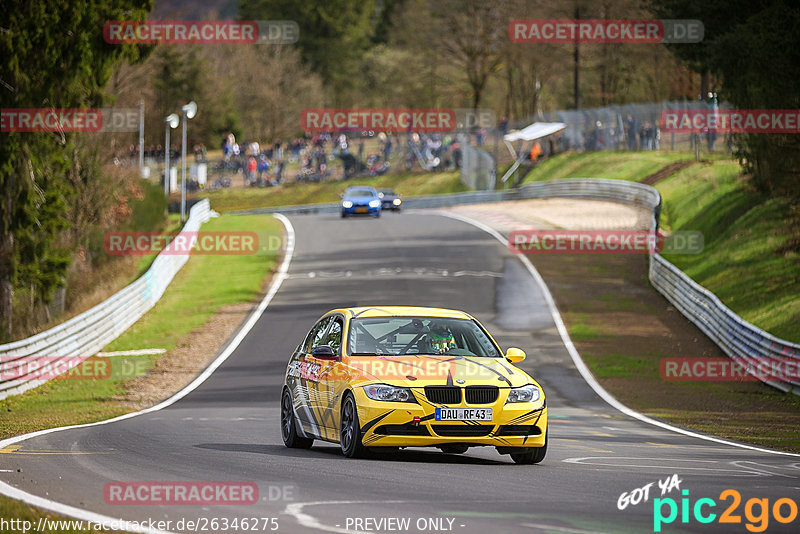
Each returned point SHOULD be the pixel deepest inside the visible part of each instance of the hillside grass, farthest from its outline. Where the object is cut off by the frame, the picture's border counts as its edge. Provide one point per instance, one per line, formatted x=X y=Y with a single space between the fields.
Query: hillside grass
x=289 y=194
x=633 y=166
x=746 y=261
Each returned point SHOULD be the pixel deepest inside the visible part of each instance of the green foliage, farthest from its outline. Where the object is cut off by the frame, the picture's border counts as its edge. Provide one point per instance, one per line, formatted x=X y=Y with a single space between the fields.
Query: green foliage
x=755 y=48
x=53 y=56
x=212 y=280
x=633 y=166
x=745 y=261
x=333 y=34
x=148 y=211
x=749 y=57
x=717 y=16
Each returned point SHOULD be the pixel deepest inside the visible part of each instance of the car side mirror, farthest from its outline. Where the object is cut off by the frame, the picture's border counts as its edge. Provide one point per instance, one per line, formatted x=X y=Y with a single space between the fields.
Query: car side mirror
x=515 y=355
x=324 y=352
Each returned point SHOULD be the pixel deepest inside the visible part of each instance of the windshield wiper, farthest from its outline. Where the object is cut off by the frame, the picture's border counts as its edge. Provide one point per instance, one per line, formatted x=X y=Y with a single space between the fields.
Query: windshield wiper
x=364 y=354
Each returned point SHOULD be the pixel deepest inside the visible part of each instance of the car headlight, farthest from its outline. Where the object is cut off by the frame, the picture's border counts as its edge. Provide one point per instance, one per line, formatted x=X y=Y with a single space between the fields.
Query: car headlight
x=396 y=201
x=375 y=203
x=529 y=393
x=347 y=204
x=382 y=392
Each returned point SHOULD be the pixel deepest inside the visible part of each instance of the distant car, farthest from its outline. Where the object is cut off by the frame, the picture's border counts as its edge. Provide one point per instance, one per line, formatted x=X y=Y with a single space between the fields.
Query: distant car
x=361 y=200
x=389 y=377
x=390 y=200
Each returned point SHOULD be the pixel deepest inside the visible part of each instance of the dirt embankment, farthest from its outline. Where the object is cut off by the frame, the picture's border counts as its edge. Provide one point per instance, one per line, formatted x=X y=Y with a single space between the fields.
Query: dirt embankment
x=623 y=328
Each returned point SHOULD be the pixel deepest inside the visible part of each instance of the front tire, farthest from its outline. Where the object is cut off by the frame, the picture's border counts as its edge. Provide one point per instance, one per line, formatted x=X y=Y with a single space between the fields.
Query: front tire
x=289 y=425
x=532 y=456
x=350 y=429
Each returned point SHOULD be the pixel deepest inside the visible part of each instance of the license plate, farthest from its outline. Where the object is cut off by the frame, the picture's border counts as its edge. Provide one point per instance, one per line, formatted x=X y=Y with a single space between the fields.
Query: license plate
x=361 y=209
x=463 y=414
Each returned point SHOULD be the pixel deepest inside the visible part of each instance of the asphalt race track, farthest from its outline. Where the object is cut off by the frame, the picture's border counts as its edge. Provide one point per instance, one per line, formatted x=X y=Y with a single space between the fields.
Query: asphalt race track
x=228 y=428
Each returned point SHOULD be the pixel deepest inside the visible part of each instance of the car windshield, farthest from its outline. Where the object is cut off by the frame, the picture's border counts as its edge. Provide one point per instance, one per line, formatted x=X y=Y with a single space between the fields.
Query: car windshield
x=359 y=193
x=418 y=335
x=387 y=192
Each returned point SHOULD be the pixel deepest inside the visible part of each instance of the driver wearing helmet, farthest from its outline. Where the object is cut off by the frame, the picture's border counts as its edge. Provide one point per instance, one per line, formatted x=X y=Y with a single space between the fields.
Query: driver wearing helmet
x=440 y=338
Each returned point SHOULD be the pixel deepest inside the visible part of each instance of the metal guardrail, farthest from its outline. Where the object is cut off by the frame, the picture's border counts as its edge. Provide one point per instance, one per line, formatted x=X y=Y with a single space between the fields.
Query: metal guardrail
x=744 y=342
x=478 y=167
x=613 y=190
x=87 y=333
x=740 y=340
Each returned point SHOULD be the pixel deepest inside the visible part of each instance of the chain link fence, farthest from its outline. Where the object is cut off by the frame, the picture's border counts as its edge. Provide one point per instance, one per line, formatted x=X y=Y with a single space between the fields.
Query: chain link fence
x=478 y=167
x=625 y=127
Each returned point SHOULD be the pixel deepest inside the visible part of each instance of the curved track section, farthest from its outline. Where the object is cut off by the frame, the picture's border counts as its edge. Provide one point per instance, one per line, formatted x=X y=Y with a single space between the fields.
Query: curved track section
x=228 y=428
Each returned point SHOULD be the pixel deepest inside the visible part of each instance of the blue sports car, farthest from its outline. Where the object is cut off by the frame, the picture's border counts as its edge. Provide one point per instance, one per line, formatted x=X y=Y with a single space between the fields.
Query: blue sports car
x=361 y=200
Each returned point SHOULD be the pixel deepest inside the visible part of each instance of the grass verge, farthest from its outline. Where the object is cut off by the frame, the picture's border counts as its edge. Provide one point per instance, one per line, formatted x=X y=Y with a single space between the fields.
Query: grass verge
x=213 y=281
x=612 y=165
x=27 y=519
x=747 y=261
x=407 y=184
x=624 y=340
x=623 y=337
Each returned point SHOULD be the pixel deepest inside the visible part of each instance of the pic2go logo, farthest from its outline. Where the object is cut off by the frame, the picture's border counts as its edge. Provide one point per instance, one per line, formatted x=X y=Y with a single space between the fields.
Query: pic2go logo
x=757 y=511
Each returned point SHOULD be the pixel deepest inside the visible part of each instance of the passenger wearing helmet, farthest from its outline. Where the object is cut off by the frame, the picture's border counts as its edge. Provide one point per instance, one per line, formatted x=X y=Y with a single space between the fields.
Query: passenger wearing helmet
x=440 y=338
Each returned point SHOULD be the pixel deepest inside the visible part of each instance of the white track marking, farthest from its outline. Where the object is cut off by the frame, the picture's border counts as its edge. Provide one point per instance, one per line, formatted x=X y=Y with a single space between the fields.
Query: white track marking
x=307 y=520
x=560 y=529
x=660 y=463
x=576 y=358
x=139 y=352
x=86 y=515
x=761 y=468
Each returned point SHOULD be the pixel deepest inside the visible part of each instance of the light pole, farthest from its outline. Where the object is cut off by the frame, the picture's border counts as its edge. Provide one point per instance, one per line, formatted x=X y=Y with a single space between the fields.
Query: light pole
x=189 y=111
x=171 y=122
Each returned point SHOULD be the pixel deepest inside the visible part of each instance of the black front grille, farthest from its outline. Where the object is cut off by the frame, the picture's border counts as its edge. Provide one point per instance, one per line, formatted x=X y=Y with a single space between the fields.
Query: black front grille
x=402 y=430
x=519 y=430
x=481 y=394
x=443 y=394
x=462 y=430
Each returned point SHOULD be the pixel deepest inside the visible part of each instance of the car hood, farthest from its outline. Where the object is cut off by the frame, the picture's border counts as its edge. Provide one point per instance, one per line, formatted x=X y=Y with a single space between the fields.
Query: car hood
x=425 y=370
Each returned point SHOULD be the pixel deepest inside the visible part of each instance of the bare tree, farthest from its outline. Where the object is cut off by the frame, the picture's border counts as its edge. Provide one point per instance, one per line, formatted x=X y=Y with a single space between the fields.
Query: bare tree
x=471 y=34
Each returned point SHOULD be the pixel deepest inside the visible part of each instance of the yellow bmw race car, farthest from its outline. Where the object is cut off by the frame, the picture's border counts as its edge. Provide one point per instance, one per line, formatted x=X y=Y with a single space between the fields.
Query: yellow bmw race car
x=410 y=377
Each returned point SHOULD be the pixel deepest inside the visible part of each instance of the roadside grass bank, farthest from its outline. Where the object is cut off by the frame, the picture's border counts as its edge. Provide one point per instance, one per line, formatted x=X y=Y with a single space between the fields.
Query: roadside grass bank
x=199 y=298
x=206 y=284
x=751 y=258
x=623 y=328
x=407 y=184
x=611 y=165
